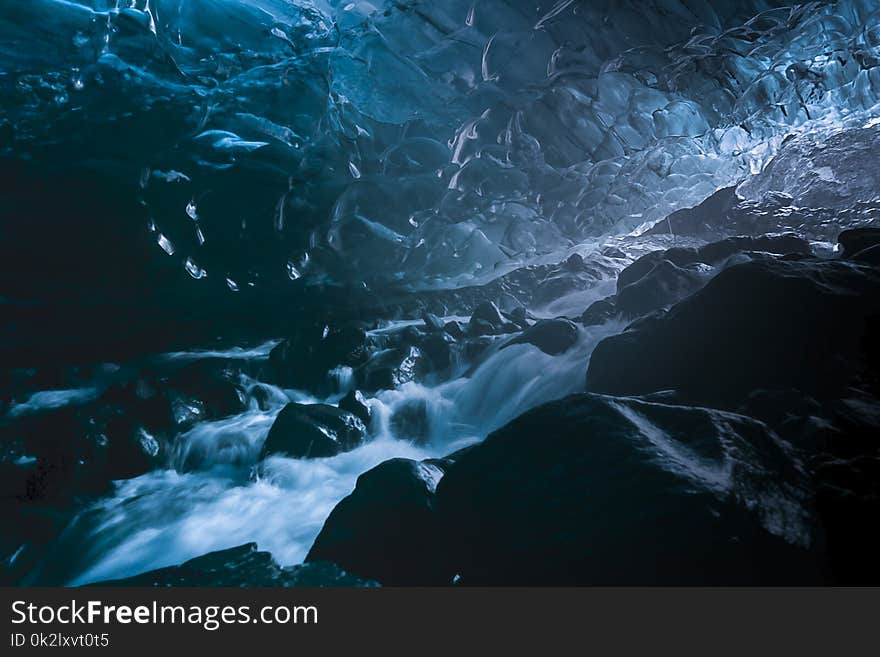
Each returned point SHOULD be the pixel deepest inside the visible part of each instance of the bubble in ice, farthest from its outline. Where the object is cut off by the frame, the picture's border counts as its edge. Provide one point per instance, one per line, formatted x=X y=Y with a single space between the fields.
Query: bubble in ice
x=531 y=127
x=165 y=244
x=193 y=269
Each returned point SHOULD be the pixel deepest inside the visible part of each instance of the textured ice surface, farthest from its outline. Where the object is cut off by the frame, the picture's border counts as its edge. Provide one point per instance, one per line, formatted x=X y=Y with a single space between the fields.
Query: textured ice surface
x=429 y=143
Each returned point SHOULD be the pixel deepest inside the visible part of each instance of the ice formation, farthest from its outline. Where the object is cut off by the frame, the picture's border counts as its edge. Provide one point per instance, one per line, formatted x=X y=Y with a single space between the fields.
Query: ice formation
x=421 y=143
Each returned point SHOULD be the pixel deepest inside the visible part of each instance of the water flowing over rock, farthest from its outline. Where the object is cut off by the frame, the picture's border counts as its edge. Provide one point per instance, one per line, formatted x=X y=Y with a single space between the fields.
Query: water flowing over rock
x=552 y=336
x=386 y=526
x=551 y=499
x=313 y=431
x=303 y=292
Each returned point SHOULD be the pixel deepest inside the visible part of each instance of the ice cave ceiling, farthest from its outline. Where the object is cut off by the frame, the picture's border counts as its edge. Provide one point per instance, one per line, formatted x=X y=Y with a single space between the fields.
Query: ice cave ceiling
x=420 y=143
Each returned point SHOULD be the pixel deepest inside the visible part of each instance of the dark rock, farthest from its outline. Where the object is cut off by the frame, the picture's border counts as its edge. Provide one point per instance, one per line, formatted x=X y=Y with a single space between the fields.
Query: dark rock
x=392 y=368
x=574 y=262
x=664 y=285
x=647 y=262
x=241 y=566
x=128 y=449
x=214 y=383
x=847 y=477
x=593 y=490
x=407 y=336
x=600 y=312
x=614 y=252
x=763 y=324
x=487 y=312
x=385 y=530
x=313 y=431
x=519 y=316
x=454 y=329
x=701 y=220
x=304 y=360
x=778 y=405
x=54 y=480
x=78 y=450
x=478 y=327
x=145 y=401
x=432 y=322
x=354 y=403
x=552 y=336
x=857 y=239
x=869 y=256
x=173 y=400
x=714 y=253
x=488 y=320
x=438 y=349
x=784 y=244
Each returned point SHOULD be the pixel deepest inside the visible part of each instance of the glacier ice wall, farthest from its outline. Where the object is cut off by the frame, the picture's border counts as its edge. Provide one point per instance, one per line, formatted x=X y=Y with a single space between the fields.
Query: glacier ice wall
x=415 y=142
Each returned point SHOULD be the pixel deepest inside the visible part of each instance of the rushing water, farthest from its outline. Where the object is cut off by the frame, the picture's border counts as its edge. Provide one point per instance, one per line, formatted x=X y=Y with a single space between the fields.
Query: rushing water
x=271 y=145
x=216 y=494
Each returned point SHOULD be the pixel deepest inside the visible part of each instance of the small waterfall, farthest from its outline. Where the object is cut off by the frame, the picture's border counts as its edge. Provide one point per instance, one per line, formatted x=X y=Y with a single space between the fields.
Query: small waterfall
x=216 y=494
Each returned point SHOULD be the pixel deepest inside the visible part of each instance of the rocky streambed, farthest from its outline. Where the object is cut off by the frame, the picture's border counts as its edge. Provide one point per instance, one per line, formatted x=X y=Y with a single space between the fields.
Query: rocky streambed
x=643 y=412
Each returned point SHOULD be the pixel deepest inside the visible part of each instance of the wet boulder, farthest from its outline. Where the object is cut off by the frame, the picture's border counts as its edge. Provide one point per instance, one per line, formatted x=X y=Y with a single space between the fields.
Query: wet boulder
x=847 y=478
x=53 y=480
x=432 y=322
x=600 y=312
x=305 y=359
x=386 y=530
x=124 y=448
x=488 y=320
x=439 y=351
x=454 y=329
x=869 y=255
x=313 y=431
x=854 y=240
x=664 y=285
x=764 y=324
x=244 y=565
x=80 y=449
x=145 y=400
x=355 y=403
x=552 y=336
x=779 y=245
x=519 y=316
x=701 y=220
x=714 y=253
x=391 y=368
x=214 y=383
x=551 y=499
x=487 y=312
x=172 y=399
x=646 y=264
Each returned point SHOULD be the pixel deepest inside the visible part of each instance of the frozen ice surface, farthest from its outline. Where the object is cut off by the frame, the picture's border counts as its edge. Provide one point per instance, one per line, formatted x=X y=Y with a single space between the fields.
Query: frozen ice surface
x=429 y=143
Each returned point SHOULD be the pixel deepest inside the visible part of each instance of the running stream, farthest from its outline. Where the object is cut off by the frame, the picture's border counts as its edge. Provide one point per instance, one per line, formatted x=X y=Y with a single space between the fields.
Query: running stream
x=177 y=171
x=171 y=515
